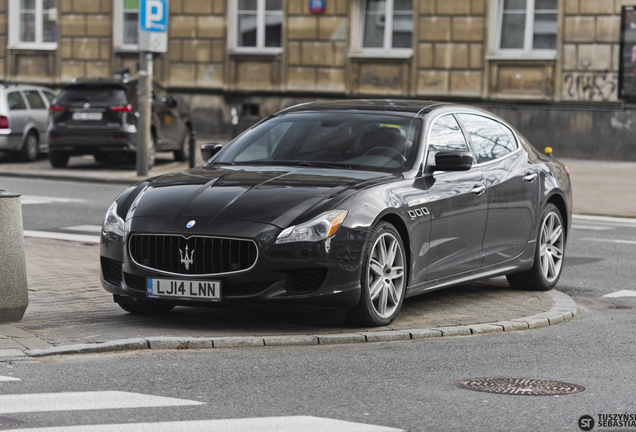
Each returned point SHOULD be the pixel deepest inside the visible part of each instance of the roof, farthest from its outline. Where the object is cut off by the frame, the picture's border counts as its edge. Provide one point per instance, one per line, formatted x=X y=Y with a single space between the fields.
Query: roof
x=403 y=106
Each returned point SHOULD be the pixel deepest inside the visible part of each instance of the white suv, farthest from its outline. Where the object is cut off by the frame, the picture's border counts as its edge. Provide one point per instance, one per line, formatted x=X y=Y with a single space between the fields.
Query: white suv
x=23 y=119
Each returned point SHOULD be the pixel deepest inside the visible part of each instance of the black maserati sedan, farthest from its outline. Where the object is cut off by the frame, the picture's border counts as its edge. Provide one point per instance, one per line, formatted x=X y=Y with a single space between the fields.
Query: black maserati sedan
x=349 y=204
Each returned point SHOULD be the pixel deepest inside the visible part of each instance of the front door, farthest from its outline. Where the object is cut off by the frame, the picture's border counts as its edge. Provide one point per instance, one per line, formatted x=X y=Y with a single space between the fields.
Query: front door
x=458 y=205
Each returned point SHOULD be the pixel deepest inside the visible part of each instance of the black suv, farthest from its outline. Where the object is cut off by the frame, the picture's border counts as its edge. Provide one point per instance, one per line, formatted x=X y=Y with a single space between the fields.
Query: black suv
x=99 y=117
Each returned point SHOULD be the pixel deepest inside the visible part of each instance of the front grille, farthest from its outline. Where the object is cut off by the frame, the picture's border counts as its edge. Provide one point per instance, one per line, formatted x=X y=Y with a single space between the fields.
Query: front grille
x=196 y=255
x=111 y=270
x=305 y=281
x=227 y=289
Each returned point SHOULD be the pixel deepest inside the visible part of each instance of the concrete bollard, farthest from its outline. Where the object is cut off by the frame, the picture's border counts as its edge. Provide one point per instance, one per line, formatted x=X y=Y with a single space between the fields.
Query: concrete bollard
x=14 y=294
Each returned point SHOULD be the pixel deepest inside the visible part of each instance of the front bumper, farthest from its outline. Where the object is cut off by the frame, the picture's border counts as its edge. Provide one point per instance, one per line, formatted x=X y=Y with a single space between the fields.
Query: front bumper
x=323 y=274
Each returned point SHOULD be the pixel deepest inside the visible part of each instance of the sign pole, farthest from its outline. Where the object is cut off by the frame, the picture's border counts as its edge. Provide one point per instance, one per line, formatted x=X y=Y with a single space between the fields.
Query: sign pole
x=144 y=101
x=153 y=37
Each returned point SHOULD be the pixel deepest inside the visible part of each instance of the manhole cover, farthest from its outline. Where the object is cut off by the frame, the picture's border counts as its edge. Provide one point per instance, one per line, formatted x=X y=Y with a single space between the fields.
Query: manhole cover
x=520 y=386
x=7 y=423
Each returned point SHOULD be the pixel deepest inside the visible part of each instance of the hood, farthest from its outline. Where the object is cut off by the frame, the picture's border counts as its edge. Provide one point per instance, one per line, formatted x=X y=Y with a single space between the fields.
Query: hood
x=272 y=195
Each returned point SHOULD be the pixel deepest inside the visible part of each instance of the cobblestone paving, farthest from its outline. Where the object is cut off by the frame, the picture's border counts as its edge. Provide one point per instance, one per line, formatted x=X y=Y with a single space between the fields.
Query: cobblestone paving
x=67 y=305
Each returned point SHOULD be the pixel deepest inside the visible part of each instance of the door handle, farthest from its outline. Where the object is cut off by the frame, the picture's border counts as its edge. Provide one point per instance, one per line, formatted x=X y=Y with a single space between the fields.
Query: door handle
x=478 y=190
x=530 y=177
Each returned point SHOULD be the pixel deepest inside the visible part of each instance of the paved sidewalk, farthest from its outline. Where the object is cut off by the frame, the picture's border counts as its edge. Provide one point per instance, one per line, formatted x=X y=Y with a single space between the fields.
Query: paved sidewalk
x=69 y=312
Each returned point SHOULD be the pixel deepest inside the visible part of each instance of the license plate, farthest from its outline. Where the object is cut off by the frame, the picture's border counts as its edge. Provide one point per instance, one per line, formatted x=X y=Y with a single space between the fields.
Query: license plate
x=90 y=116
x=183 y=289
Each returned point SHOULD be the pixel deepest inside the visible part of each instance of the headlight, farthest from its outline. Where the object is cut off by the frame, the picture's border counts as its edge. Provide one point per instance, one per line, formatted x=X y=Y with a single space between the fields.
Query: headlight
x=112 y=222
x=319 y=228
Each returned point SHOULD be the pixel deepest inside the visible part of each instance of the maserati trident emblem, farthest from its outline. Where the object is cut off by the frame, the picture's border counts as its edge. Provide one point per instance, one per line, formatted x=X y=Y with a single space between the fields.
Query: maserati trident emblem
x=185 y=258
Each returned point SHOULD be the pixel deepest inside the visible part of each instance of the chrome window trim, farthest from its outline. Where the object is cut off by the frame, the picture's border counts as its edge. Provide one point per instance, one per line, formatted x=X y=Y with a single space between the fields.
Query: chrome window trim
x=182 y=275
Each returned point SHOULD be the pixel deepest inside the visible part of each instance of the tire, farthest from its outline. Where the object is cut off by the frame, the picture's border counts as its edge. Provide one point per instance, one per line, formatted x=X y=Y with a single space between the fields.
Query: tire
x=183 y=153
x=548 y=256
x=30 y=148
x=141 y=307
x=383 y=279
x=58 y=159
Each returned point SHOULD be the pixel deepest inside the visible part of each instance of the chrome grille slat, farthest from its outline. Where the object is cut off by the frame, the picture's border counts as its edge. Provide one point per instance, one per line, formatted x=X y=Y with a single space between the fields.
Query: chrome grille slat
x=210 y=255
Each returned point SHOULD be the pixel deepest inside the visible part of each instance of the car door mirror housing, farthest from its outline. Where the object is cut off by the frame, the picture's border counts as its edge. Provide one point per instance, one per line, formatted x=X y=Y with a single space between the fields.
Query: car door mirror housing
x=209 y=150
x=452 y=161
x=173 y=101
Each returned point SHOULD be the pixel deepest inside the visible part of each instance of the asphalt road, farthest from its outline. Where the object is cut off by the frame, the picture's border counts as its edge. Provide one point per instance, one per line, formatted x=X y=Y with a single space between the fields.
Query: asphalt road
x=405 y=385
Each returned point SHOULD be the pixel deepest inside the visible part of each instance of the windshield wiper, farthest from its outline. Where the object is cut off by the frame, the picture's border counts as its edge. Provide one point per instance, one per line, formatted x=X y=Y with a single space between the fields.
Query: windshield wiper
x=324 y=165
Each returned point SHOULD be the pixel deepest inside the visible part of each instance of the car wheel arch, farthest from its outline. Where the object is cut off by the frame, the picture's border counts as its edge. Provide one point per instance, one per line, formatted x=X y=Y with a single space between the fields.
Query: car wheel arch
x=559 y=202
x=399 y=224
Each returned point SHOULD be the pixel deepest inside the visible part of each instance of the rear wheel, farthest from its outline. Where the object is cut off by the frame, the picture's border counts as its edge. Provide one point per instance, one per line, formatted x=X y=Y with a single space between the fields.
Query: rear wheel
x=183 y=153
x=548 y=256
x=58 y=159
x=140 y=307
x=29 y=150
x=383 y=279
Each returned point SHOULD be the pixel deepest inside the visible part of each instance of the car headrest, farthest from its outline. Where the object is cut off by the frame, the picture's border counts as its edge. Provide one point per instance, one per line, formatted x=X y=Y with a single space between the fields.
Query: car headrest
x=337 y=142
x=383 y=137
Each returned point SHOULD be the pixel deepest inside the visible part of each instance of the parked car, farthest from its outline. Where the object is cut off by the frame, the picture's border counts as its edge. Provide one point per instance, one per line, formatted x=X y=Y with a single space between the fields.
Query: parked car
x=23 y=119
x=99 y=117
x=351 y=204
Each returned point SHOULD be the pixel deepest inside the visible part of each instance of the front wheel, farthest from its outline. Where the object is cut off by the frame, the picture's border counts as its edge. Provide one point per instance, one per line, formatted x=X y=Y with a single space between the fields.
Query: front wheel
x=548 y=256
x=383 y=279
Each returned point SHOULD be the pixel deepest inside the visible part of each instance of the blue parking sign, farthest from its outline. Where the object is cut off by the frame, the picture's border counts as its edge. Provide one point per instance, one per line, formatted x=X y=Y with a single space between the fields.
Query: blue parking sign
x=153 y=15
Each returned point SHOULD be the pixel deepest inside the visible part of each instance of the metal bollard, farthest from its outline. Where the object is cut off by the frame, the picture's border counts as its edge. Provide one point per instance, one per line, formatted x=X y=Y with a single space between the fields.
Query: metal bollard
x=192 y=143
x=14 y=294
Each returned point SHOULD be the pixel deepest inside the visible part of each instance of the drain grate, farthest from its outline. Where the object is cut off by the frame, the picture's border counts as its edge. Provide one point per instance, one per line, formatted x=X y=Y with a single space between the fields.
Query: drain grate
x=7 y=423
x=520 y=386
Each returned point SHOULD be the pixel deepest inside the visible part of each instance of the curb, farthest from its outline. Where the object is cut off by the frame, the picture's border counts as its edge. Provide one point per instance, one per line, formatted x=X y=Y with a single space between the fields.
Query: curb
x=564 y=309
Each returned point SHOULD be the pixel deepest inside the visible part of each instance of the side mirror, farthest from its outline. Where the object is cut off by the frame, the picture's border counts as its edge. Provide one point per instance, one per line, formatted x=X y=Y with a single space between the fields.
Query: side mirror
x=174 y=101
x=209 y=150
x=452 y=161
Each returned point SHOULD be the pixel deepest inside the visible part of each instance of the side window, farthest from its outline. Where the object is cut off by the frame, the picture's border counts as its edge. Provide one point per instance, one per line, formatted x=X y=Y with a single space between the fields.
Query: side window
x=49 y=96
x=445 y=135
x=34 y=99
x=15 y=101
x=490 y=138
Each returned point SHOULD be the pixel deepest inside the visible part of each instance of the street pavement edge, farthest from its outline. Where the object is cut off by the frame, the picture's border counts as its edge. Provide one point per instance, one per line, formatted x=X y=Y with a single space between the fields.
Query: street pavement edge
x=564 y=309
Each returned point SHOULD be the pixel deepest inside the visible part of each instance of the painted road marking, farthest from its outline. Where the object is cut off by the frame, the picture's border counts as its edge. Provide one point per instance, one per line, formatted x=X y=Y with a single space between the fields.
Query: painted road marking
x=623 y=293
x=6 y=378
x=631 y=222
x=611 y=241
x=81 y=401
x=82 y=238
x=85 y=228
x=34 y=199
x=591 y=227
x=265 y=424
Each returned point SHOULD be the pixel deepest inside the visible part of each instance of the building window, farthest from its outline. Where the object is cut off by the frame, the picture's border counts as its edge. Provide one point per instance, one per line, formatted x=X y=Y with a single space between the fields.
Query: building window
x=527 y=25
x=258 y=25
x=33 y=24
x=125 y=25
x=387 y=24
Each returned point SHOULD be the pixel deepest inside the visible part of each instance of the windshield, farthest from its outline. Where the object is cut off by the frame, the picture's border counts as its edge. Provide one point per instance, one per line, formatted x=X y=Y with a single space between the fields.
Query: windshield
x=366 y=141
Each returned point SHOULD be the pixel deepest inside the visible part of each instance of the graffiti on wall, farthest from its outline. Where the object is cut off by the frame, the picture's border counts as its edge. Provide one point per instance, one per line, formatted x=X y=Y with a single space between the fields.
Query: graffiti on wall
x=590 y=86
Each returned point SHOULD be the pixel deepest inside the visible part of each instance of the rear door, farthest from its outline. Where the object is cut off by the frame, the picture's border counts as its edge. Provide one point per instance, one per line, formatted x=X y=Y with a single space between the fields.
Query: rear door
x=38 y=111
x=458 y=206
x=513 y=187
x=18 y=112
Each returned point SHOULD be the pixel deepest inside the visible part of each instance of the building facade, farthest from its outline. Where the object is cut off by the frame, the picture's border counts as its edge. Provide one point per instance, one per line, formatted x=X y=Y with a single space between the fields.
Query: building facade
x=548 y=66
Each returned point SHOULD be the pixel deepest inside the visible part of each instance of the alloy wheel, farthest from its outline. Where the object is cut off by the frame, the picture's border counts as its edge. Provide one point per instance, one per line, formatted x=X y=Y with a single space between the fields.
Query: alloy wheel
x=551 y=247
x=386 y=275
